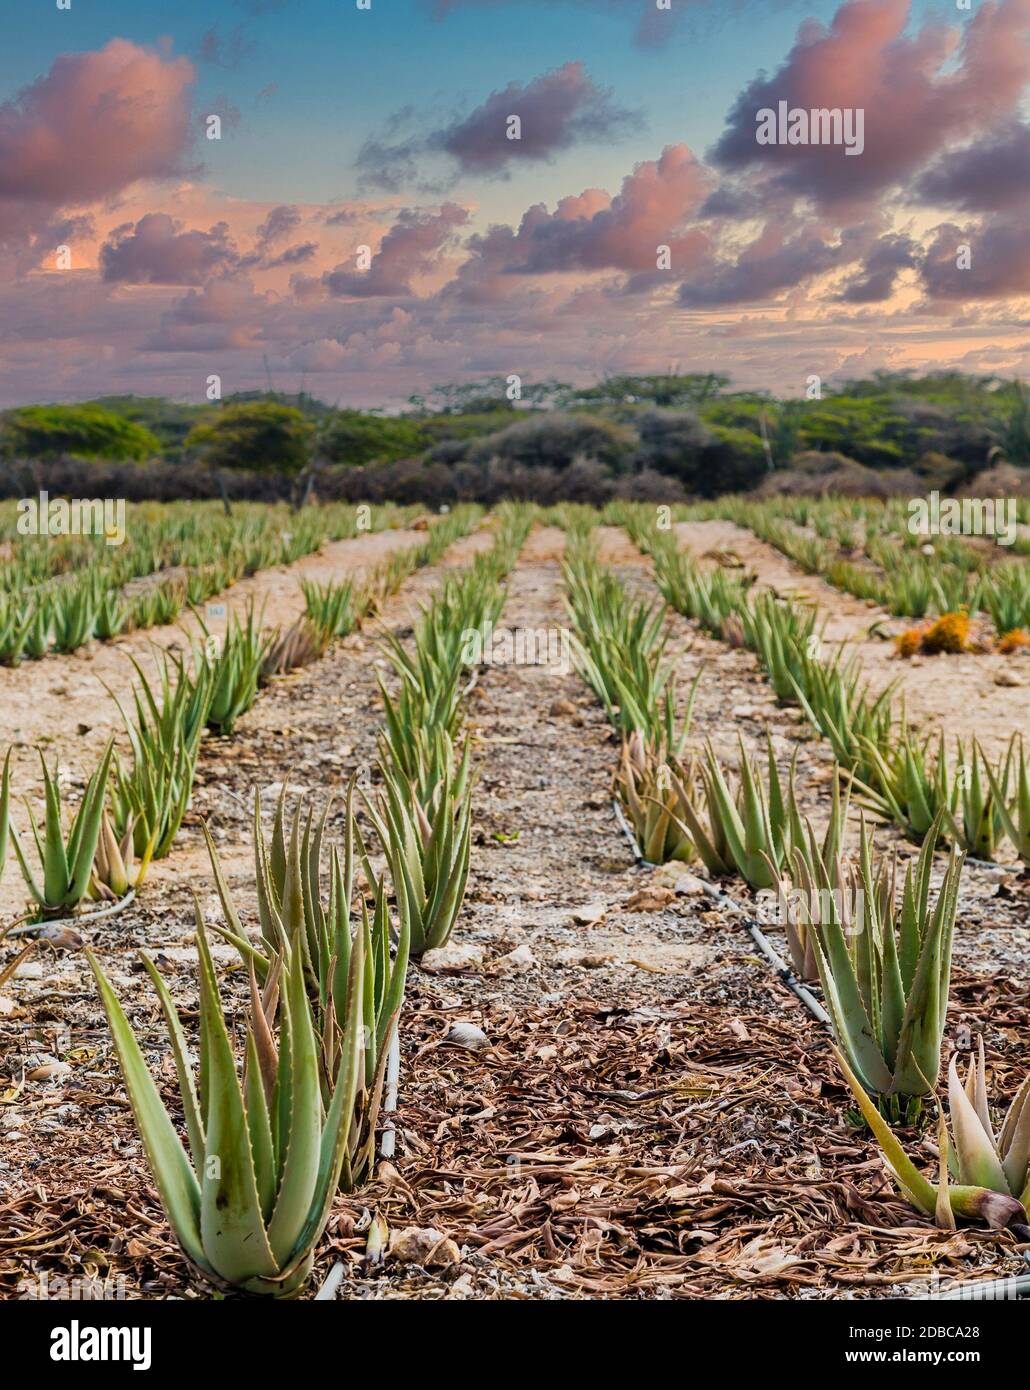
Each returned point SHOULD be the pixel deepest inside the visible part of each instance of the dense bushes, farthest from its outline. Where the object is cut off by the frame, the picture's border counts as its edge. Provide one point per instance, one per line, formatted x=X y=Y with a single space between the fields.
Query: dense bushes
x=556 y=439
x=89 y=431
x=654 y=436
x=403 y=481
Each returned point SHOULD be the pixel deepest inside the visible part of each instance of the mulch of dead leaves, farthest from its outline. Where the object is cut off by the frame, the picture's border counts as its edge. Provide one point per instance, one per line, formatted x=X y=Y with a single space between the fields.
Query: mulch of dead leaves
x=681 y=1150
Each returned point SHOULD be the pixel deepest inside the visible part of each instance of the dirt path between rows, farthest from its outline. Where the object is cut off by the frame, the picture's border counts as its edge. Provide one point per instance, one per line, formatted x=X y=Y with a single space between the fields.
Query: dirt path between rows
x=957 y=692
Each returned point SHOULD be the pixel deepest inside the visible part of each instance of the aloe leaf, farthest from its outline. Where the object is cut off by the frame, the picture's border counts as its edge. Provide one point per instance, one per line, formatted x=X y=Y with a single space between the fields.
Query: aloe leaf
x=302 y=1138
x=918 y=1188
x=183 y=1067
x=176 y=1180
x=231 y=1223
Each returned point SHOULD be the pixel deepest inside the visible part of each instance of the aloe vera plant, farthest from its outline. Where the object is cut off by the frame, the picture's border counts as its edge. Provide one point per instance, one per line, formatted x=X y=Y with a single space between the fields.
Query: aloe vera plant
x=909 y=785
x=783 y=636
x=73 y=615
x=886 y=979
x=836 y=701
x=153 y=794
x=427 y=847
x=334 y=610
x=982 y=1174
x=250 y=1199
x=66 y=864
x=749 y=831
x=651 y=784
x=1014 y=813
x=14 y=629
x=296 y=916
x=619 y=644
x=977 y=824
x=235 y=668
x=817 y=875
x=298 y=645
x=115 y=870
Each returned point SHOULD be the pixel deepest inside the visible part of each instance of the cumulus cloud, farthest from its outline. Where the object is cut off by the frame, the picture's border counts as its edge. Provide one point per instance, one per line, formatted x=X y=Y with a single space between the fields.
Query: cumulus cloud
x=991 y=174
x=93 y=125
x=279 y=223
x=883 y=264
x=920 y=94
x=594 y=231
x=156 y=251
x=561 y=108
x=225 y=314
x=411 y=248
x=776 y=260
x=556 y=111
x=998 y=255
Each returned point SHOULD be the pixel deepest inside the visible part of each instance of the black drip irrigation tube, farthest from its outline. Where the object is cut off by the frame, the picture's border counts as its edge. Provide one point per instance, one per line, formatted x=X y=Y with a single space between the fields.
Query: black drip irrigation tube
x=1013 y=1286
x=758 y=936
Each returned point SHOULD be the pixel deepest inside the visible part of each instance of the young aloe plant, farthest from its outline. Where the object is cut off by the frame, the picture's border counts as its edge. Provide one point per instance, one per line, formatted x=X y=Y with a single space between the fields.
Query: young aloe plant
x=751 y=831
x=886 y=978
x=236 y=669
x=115 y=870
x=334 y=610
x=982 y=822
x=650 y=789
x=910 y=786
x=818 y=875
x=251 y=1199
x=982 y=1175
x=67 y=864
x=295 y=916
x=152 y=795
x=1015 y=814
x=298 y=645
x=783 y=635
x=427 y=848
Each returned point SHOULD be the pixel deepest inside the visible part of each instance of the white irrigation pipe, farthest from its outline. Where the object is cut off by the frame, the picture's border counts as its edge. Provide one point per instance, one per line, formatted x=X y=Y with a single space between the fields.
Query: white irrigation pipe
x=980 y=1290
x=78 y=921
x=388 y=1143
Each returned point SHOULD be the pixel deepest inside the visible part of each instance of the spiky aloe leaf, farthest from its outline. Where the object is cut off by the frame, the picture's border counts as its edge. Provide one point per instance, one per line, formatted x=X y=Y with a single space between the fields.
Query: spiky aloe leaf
x=231 y=1223
x=978 y=1162
x=304 y=1131
x=175 y=1178
x=5 y=809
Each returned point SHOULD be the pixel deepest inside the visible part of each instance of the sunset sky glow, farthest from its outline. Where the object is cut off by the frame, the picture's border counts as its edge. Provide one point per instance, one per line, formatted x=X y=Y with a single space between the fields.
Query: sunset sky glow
x=386 y=127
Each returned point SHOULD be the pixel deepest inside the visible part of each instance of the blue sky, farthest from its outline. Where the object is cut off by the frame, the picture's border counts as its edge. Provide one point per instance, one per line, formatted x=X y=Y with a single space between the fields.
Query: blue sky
x=339 y=73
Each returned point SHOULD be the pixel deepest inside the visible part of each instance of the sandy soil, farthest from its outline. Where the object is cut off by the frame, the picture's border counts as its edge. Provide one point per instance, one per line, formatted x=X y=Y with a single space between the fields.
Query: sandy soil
x=651 y=1116
x=959 y=692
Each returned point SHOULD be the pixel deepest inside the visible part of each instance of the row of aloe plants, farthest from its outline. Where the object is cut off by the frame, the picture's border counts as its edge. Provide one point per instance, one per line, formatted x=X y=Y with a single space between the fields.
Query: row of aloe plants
x=423 y=810
x=60 y=614
x=274 y=1132
x=893 y=571
x=897 y=775
x=869 y=932
x=135 y=801
x=278 y=1121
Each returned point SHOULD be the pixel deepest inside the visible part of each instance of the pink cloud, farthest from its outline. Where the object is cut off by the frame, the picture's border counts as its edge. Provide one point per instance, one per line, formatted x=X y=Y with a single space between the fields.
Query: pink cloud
x=156 y=251
x=594 y=231
x=94 y=124
x=920 y=94
x=410 y=249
